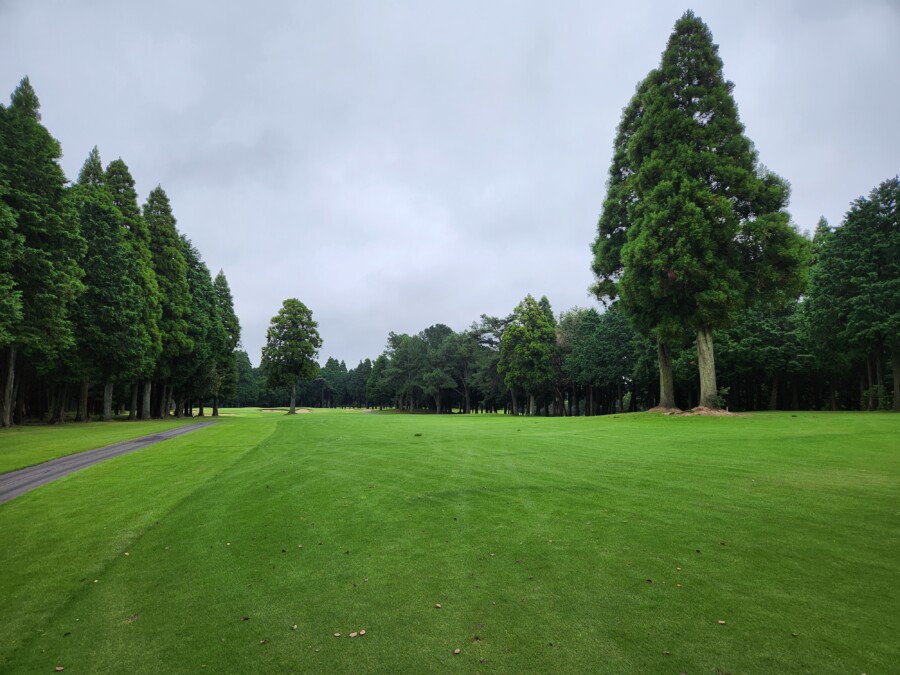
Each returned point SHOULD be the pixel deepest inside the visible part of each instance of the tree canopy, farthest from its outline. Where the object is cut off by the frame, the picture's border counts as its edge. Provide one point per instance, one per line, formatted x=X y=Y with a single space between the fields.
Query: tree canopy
x=292 y=343
x=693 y=228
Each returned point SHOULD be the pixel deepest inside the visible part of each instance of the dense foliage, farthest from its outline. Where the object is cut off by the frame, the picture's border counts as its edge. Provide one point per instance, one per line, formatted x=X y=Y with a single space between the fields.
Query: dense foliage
x=103 y=306
x=693 y=229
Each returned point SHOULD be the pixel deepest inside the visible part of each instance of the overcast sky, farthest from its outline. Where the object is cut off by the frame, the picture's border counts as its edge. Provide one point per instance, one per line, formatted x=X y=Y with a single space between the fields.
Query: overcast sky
x=399 y=164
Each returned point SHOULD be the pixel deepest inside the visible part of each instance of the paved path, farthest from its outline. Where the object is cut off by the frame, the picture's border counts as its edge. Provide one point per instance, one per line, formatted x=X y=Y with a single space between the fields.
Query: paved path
x=18 y=482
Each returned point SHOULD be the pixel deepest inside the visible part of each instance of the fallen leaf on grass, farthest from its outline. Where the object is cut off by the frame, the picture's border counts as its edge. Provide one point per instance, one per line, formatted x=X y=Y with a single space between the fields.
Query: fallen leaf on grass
x=721 y=622
x=457 y=651
x=337 y=635
x=59 y=669
x=437 y=605
x=262 y=642
x=294 y=627
x=361 y=633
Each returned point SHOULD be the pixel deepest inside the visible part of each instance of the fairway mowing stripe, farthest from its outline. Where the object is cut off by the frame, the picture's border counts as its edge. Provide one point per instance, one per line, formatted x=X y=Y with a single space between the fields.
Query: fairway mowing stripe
x=19 y=482
x=102 y=569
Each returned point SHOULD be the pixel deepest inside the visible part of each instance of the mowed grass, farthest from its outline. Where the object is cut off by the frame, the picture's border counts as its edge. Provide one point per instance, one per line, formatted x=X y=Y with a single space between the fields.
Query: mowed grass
x=23 y=446
x=613 y=544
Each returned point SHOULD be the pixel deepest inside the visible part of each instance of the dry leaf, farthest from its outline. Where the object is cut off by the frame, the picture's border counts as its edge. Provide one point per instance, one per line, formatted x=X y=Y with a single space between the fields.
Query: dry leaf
x=294 y=627
x=361 y=633
x=337 y=635
x=262 y=642
x=457 y=651
x=437 y=605
x=721 y=623
x=354 y=634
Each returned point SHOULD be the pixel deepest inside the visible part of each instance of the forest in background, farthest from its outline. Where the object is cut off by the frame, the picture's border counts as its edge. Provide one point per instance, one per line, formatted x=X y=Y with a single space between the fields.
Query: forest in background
x=105 y=307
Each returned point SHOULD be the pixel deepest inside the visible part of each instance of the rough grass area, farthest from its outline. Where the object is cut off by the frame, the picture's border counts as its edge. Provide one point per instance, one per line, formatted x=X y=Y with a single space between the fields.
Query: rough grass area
x=28 y=445
x=634 y=543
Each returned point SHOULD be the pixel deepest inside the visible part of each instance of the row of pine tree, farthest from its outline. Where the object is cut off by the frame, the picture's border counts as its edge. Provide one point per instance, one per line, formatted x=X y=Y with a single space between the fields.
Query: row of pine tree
x=103 y=304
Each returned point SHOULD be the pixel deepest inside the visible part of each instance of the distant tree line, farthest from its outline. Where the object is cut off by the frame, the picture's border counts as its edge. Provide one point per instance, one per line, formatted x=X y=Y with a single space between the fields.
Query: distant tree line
x=104 y=305
x=833 y=348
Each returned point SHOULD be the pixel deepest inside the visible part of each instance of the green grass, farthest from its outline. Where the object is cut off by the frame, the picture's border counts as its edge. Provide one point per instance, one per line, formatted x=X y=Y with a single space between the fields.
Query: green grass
x=29 y=445
x=610 y=544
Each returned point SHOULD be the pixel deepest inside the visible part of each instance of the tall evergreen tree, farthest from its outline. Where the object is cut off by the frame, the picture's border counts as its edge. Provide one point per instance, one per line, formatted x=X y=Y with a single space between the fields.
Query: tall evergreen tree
x=230 y=337
x=120 y=184
x=108 y=330
x=45 y=270
x=194 y=371
x=292 y=343
x=175 y=298
x=707 y=229
x=854 y=299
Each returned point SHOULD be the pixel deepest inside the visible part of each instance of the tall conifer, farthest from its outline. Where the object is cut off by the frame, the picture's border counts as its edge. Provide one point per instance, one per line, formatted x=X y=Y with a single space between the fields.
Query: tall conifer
x=706 y=230
x=175 y=297
x=46 y=273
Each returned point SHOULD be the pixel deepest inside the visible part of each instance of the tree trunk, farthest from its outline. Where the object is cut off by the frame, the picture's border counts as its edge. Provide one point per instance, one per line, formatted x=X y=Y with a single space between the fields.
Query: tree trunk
x=59 y=415
x=145 y=403
x=531 y=409
x=666 y=379
x=795 y=392
x=161 y=402
x=215 y=412
x=871 y=381
x=107 y=401
x=773 y=395
x=82 y=414
x=293 y=410
x=7 y=403
x=706 y=363
x=515 y=407
x=879 y=381
x=895 y=368
x=200 y=411
x=132 y=411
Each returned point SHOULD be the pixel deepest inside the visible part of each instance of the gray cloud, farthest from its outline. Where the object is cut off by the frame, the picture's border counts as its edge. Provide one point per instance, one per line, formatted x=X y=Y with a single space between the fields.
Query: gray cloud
x=398 y=164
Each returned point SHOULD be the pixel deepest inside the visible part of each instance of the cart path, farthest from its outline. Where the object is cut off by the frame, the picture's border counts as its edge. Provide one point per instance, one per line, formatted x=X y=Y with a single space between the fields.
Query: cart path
x=20 y=481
